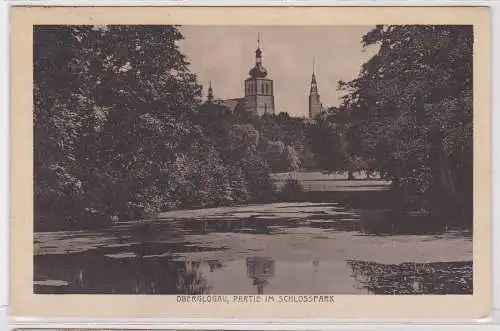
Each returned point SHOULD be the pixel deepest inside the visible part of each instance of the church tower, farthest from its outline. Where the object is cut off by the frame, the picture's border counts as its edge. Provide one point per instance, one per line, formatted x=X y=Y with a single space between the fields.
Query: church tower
x=315 y=106
x=259 y=94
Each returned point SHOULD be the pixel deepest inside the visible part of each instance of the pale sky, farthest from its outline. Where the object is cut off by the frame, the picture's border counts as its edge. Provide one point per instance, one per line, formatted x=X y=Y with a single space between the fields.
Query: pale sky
x=225 y=54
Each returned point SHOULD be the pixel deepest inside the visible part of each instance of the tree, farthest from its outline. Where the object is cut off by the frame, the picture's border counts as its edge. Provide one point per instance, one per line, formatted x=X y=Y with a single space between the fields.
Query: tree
x=113 y=116
x=280 y=157
x=62 y=115
x=411 y=109
x=244 y=150
x=329 y=140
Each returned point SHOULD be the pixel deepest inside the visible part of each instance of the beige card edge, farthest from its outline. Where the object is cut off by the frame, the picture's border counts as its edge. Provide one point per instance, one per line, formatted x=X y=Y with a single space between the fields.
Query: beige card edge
x=25 y=303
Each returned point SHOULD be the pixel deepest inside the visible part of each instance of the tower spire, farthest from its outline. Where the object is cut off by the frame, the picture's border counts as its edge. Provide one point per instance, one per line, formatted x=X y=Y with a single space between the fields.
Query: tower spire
x=258 y=51
x=313 y=81
x=210 y=95
x=314 y=85
x=314 y=101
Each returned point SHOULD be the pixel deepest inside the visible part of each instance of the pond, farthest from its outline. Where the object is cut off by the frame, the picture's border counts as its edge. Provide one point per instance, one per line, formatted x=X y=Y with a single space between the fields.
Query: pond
x=275 y=248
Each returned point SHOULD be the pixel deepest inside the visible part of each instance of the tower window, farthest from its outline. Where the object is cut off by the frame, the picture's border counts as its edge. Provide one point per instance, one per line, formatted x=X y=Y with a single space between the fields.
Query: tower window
x=262 y=88
x=249 y=88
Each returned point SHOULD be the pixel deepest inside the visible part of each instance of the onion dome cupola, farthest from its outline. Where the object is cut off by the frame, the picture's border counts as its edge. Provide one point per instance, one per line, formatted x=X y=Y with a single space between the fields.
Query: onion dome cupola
x=258 y=71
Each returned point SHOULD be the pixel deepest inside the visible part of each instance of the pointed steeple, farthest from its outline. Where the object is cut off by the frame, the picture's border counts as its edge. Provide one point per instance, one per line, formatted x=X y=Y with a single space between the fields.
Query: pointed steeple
x=315 y=106
x=314 y=84
x=210 y=95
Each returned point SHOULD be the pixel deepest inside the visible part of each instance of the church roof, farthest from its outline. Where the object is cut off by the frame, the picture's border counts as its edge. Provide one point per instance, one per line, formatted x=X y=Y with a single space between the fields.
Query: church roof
x=258 y=71
x=232 y=104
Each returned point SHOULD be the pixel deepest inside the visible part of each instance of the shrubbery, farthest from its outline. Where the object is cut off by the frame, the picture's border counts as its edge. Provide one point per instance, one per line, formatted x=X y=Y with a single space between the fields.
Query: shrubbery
x=291 y=191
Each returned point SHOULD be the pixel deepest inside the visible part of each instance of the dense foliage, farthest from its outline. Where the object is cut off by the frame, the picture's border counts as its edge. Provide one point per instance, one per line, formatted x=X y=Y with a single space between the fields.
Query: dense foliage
x=409 y=113
x=330 y=144
x=119 y=129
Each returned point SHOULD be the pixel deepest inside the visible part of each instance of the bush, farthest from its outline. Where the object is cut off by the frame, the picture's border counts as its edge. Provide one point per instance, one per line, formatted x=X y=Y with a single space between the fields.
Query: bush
x=291 y=191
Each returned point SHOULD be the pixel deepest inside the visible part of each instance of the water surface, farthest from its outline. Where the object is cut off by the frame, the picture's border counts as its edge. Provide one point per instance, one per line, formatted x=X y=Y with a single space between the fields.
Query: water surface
x=276 y=248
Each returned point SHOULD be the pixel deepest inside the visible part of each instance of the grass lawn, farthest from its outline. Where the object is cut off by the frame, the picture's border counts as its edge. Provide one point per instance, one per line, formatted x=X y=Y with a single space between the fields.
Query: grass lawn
x=317 y=181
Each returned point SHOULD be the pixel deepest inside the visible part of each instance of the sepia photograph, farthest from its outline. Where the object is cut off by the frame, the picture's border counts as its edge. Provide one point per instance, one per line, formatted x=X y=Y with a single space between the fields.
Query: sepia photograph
x=252 y=160
x=220 y=162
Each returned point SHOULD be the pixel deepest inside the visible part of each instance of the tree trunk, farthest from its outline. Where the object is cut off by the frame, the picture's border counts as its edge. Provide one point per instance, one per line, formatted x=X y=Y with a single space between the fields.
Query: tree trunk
x=446 y=177
x=350 y=175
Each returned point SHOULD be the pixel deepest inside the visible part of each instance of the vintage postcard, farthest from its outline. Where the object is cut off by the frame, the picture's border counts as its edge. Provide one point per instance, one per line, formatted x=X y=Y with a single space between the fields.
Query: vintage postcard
x=251 y=162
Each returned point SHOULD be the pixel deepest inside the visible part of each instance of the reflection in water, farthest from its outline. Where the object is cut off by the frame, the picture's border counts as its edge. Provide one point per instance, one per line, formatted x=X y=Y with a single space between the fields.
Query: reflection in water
x=191 y=280
x=245 y=225
x=414 y=278
x=214 y=264
x=393 y=222
x=260 y=269
x=148 y=257
x=315 y=265
x=89 y=273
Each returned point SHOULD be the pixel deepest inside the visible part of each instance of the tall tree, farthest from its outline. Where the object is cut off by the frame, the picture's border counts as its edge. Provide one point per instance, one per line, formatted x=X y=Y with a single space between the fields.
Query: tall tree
x=112 y=109
x=410 y=109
